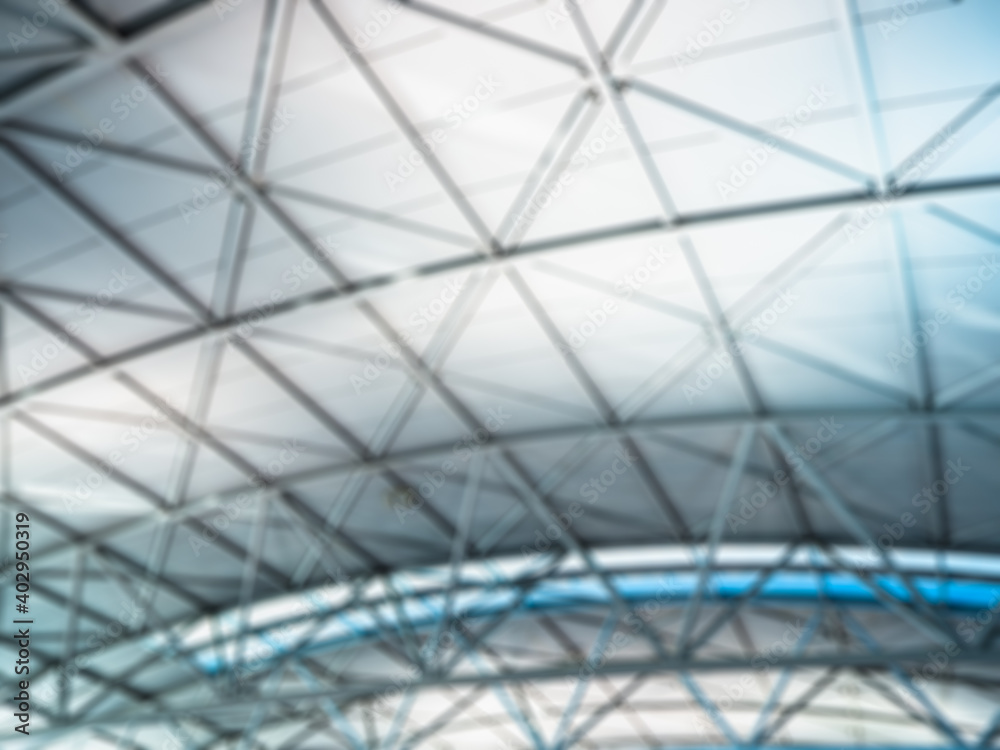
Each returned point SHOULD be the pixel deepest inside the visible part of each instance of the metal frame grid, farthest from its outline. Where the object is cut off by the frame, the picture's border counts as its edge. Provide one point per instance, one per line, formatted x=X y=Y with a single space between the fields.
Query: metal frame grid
x=875 y=644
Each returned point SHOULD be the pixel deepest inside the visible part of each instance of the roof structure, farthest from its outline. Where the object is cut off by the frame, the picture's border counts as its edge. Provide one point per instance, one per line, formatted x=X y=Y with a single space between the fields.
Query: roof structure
x=502 y=374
